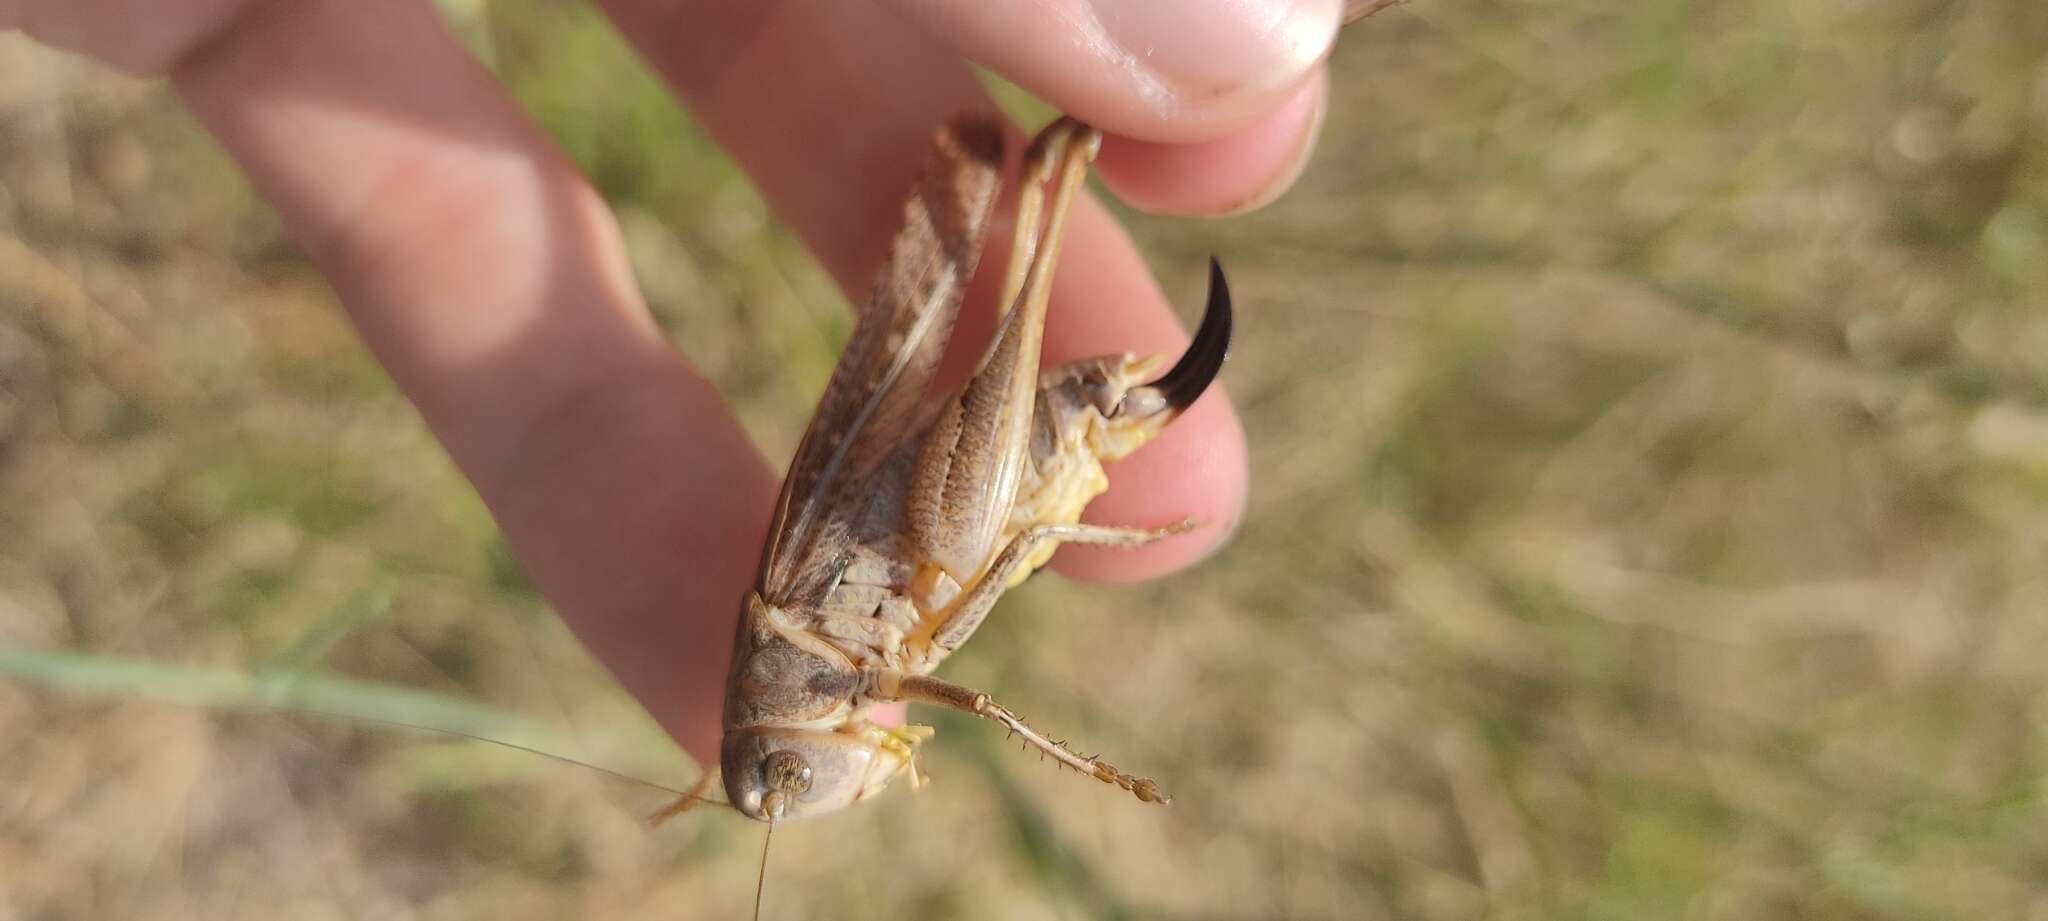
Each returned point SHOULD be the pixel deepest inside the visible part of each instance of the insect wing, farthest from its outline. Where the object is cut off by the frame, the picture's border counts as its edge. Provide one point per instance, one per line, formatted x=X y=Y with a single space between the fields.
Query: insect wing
x=875 y=392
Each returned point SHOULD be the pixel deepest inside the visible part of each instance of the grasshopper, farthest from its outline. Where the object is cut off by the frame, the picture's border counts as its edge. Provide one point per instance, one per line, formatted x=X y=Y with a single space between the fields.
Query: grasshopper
x=905 y=515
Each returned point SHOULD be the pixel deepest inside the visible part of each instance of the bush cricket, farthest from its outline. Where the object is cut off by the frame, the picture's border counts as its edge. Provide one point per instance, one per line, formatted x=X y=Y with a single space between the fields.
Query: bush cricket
x=904 y=516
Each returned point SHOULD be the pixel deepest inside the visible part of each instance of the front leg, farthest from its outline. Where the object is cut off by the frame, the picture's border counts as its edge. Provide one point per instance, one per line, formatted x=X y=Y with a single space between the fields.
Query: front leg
x=890 y=684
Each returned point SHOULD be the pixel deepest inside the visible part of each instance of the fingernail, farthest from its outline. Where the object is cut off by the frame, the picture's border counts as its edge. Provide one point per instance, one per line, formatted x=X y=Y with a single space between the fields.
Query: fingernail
x=1306 y=110
x=1206 y=49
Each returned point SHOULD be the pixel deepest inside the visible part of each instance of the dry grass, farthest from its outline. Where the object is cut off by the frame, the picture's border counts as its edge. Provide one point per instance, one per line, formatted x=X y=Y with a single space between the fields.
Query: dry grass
x=1650 y=519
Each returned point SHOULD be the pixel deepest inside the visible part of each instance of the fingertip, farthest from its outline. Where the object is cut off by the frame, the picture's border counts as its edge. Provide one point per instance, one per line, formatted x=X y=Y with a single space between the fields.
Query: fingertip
x=1176 y=72
x=1239 y=172
x=1194 y=72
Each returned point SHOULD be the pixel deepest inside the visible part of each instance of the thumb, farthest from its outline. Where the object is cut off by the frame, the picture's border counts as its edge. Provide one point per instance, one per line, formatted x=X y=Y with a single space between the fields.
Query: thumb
x=1153 y=70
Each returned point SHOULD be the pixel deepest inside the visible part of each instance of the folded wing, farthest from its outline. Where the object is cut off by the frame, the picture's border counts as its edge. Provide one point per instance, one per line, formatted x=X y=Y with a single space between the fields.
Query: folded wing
x=874 y=395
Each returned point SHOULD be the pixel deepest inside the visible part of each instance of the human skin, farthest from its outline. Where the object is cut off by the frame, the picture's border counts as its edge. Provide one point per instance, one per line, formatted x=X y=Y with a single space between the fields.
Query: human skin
x=487 y=276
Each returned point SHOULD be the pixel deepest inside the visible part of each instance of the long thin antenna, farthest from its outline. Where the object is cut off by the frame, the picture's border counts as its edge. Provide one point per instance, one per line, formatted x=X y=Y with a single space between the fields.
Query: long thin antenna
x=473 y=737
x=1355 y=10
x=761 y=881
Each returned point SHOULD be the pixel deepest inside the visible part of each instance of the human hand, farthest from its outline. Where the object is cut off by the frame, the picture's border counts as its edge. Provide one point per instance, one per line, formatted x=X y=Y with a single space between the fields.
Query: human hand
x=488 y=278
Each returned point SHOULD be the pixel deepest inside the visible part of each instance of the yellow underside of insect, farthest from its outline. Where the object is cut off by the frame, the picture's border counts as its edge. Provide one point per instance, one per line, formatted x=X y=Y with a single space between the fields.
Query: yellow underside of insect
x=1074 y=494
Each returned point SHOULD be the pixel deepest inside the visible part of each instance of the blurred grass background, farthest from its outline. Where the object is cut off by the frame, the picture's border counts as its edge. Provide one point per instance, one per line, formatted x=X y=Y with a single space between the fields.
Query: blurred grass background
x=1649 y=406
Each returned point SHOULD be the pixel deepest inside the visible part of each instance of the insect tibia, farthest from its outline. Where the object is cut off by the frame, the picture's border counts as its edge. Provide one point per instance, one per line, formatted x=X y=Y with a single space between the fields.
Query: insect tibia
x=926 y=689
x=1145 y=789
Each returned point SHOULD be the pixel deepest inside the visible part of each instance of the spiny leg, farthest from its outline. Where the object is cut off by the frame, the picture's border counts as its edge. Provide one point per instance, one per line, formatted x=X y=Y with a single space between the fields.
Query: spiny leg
x=974 y=605
x=895 y=685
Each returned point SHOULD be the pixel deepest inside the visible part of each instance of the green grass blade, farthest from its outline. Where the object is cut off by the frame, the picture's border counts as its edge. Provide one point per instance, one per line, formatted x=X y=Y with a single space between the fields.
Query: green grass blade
x=269 y=689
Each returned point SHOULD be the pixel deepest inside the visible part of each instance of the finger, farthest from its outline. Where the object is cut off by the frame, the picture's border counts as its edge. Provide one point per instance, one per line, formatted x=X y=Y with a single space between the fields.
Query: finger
x=488 y=277
x=1239 y=172
x=141 y=36
x=1178 y=71
x=829 y=108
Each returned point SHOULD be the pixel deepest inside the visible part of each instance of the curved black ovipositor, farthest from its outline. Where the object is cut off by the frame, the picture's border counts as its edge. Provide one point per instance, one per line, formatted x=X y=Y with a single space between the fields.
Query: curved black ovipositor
x=1198 y=365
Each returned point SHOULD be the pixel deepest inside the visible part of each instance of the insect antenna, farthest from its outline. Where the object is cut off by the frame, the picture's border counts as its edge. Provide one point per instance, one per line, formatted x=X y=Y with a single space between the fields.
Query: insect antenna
x=686 y=795
x=761 y=880
x=1355 y=10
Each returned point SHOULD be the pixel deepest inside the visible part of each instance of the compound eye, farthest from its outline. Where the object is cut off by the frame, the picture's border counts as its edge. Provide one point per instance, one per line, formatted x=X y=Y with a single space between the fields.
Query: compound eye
x=787 y=771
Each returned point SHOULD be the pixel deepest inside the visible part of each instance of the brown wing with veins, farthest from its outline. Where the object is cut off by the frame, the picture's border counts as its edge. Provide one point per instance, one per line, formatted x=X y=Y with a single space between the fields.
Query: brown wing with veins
x=882 y=378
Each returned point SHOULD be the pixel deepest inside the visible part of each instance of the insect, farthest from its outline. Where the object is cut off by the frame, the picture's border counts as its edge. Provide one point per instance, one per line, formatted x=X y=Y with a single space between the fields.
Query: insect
x=905 y=515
